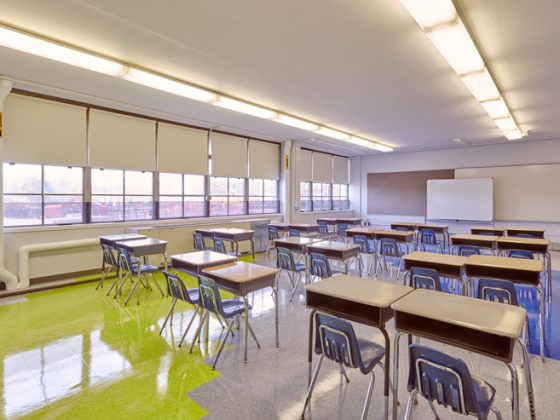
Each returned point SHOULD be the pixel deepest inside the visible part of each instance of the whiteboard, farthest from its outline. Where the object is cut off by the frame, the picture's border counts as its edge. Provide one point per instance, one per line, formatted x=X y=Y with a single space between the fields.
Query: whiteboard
x=460 y=199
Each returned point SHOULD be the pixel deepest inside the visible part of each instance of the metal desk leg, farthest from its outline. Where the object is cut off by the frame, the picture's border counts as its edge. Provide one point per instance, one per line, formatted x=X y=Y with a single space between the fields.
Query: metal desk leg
x=528 y=379
x=387 y=372
x=514 y=392
x=541 y=296
x=310 y=345
x=276 y=321
x=252 y=249
x=245 y=328
x=398 y=335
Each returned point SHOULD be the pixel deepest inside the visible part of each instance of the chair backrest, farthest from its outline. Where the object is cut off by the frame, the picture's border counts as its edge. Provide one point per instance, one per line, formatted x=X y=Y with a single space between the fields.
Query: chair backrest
x=428 y=237
x=341 y=229
x=126 y=262
x=176 y=287
x=273 y=233
x=336 y=339
x=108 y=256
x=220 y=246
x=521 y=253
x=467 y=250
x=389 y=247
x=198 y=241
x=362 y=240
x=502 y=291
x=285 y=259
x=524 y=235
x=294 y=233
x=425 y=278
x=210 y=296
x=319 y=265
x=323 y=227
x=443 y=379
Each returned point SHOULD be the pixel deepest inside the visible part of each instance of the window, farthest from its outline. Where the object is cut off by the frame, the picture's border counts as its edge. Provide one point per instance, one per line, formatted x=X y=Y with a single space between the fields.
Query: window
x=227 y=196
x=321 y=193
x=340 y=197
x=305 y=196
x=263 y=196
x=181 y=196
x=121 y=195
x=40 y=194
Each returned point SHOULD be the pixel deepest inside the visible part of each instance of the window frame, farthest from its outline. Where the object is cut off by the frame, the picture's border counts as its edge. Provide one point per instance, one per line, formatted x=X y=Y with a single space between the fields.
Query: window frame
x=228 y=195
x=262 y=196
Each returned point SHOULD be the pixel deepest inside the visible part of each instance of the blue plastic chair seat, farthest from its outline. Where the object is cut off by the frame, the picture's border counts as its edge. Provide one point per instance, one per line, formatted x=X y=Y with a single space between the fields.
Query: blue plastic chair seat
x=194 y=295
x=484 y=393
x=233 y=307
x=299 y=267
x=148 y=268
x=372 y=353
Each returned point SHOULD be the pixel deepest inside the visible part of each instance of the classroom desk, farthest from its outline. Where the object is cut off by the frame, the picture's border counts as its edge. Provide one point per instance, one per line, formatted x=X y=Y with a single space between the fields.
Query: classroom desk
x=443 y=230
x=487 y=328
x=241 y=278
x=233 y=235
x=281 y=227
x=331 y=221
x=481 y=241
x=111 y=240
x=477 y=230
x=340 y=251
x=399 y=236
x=348 y=220
x=367 y=232
x=446 y=265
x=359 y=300
x=145 y=247
x=405 y=225
x=194 y=262
x=517 y=270
x=307 y=228
x=537 y=233
x=296 y=243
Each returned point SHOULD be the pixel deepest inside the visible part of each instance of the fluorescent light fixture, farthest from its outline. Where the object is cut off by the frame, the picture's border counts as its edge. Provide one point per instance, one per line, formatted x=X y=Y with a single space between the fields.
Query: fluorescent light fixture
x=513 y=134
x=335 y=134
x=358 y=141
x=167 y=85
x=382 y=148
x=46 y=49
x=430 y=13
x=506 y=124
x=245 y=108
x=455 y=44
x=296 y=122
x=496 y=108
x=481 y=85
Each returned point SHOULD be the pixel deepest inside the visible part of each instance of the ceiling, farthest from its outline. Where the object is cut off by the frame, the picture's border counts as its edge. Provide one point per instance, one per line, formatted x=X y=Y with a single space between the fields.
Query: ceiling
x=363 y=66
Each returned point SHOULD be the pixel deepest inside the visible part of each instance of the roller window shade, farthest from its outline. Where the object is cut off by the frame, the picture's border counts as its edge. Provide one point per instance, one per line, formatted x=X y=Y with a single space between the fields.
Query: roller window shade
x=229 y=156
x=322 y=167
x=305 y=165
x=182 y=149
x=44 y=132
x=121 y=142
x=340 y=170
x=264 y=160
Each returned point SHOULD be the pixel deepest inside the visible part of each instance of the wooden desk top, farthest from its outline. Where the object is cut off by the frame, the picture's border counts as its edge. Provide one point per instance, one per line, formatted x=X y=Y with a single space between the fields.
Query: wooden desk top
x=362 y=230
x=524 y=241
x=204 y=258
x=535 y=266
x=475 y=314
x=137 y=243
x=231 y=231
x=431 y=257
x=302 y=225
x=488 y=229
x=278 y=225
x=121 y=237
x=407 y=224
x=479 y=238
x=355 y=289
x=523 y=229
x=241 y=272
x=334 y=246
x=326 y=219
x=297 y=240
x=409 y=235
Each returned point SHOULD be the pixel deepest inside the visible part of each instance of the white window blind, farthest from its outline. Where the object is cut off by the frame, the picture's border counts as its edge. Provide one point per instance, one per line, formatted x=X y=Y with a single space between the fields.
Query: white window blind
x=121 y=142
x=264 y=160
x=229 y=156
x=46 y=132
x=182 y=149
x=340 y=170
x=322 y=167
x=305 y=165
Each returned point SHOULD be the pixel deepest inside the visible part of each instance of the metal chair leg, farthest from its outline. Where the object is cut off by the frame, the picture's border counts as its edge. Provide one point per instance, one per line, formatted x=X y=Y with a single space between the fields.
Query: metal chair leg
x=343 y=372
x=222 y=344
x=120 y=285
x=312 y=385
x=198 y=330
x=410 y=405
x=168 y=315
x=496 y=412
x=132 y=290
x=298 y=281
x=368 y=396
x=157 y=285
x=253 y=335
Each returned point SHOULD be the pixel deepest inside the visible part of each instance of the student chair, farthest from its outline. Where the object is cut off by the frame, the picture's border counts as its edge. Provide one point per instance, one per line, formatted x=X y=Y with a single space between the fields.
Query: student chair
x=467 y=250
x=428 y=238
x=486 y=233
x=142 y=272
x=446 y=381
x=220 y=246
x=341 y=229
x=389 y=251
x=178 y=291
x=336 y=340
x=502 y=291
x=230 y=310
x=109 y=264
x=285 y=261
x=272 y=236
x=294 y=233
x=198 y=241
x=366 y=247
x=319 y=266
x=424 y=278
x=524 y=235
x=324 y=231
x=521 y=253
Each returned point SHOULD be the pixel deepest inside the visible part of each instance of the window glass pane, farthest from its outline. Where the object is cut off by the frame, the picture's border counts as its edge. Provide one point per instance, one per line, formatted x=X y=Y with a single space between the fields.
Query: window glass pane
x=170 y=206
x=22 y=179
x=271 y=187
x=316 y=189
x=138 y=183
x=63 y=180
x=106 y=208
x=22 y=210
x=344 y=190
x=171 y=184
x=194 y=184
x=218 y=186
x=270 y=205
x=106 y=181
x=138 y=207
x=305 y=205
x=236 y=205
x=256 y=187
x=237 y=186
x=304 y=189
x=255 y=205
x=336 y=190
x=326 y=190
x=218 y=206
x=195 y=206
x=61 y=209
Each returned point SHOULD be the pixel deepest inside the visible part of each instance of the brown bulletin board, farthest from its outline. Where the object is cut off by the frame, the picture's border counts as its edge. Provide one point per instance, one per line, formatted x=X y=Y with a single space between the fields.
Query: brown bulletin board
x=401 y=193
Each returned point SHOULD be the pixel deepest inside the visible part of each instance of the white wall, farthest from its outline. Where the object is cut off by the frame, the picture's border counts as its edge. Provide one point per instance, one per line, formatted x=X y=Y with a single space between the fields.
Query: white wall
x=512 y=153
